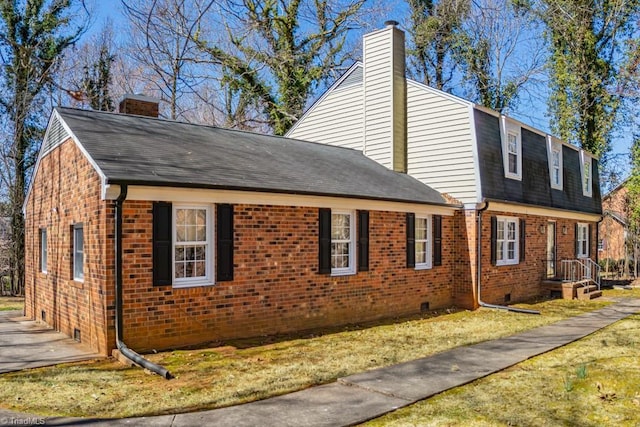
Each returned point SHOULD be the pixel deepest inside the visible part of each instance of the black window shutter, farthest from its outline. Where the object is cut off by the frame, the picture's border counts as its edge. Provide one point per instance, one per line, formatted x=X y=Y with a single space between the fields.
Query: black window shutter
x=411 y=239
x=494 y=240
x=224 y=242
x=324 y=241
x=437 y=240
x=589 y=242
x=577 y=245
x=363 y=240
x=523 y=235
x=162 y=246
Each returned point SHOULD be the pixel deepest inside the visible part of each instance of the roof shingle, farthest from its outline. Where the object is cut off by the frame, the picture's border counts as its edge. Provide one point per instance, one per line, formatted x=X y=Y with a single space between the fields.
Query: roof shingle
x=148 y=151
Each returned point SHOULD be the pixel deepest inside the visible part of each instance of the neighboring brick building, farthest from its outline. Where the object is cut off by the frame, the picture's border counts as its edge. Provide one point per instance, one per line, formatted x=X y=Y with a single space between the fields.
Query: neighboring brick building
x=614 y=230
x=224 y=234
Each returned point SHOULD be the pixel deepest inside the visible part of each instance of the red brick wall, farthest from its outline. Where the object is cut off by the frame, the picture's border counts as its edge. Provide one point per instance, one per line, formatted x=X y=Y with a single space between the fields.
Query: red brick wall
x=612 y=231
x=465 y=249
x=139 y=107
x=523 y=280
x=66 y=190
x=276 y=287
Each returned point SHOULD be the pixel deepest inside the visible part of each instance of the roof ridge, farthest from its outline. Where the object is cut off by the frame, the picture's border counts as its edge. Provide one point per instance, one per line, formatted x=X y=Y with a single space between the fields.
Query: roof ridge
x=173 y=121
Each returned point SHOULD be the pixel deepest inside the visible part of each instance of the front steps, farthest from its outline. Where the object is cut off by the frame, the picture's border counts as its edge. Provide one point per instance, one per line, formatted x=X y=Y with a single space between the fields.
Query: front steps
x=581 y=289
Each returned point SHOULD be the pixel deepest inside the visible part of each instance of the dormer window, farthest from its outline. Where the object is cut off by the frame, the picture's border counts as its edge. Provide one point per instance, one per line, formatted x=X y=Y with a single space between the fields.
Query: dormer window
x=586 y=173
x=554 y=153
x=511 y=149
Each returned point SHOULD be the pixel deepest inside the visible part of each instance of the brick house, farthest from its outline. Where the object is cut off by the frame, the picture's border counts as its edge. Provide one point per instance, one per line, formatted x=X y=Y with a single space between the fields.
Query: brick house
x=531 y=203
x=174 y=234
x=165 y=234
x=614 y=227
x=616 y=239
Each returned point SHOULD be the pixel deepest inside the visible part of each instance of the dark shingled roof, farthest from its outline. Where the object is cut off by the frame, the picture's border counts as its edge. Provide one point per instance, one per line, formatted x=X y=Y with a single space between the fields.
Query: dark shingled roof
x=148 y=151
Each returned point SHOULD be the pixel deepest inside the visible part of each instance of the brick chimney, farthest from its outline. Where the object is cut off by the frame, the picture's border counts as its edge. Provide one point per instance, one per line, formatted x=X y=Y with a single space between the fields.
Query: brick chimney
x=139 y=105
x=385 y=97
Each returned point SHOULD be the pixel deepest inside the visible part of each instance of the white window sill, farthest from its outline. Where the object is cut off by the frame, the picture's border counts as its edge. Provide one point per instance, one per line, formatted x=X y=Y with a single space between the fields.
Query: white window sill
x=514 y=177
x=194 y=284
x=508 y=262
x=423 y=267
x=342 y=272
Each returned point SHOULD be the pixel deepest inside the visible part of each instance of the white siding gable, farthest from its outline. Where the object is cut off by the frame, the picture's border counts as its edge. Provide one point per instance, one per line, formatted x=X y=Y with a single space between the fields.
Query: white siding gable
x=336 y=119
x=441 y=148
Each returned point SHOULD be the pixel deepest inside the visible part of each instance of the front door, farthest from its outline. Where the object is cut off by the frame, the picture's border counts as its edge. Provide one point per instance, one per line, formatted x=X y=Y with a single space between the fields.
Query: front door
x=551 y=249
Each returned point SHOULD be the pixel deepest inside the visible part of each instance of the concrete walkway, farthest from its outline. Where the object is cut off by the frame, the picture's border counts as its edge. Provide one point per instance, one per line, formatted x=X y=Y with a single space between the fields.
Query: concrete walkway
x=361 y=397
x=25 y=344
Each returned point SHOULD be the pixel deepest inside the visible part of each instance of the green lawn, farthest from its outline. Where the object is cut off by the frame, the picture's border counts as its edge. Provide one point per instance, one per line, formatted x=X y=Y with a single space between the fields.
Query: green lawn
x=249 y=370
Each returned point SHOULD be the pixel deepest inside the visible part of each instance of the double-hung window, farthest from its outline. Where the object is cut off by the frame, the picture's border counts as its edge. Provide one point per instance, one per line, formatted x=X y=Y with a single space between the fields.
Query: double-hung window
x=342 y=242
x=192 y=251
x=585 y=169
x=582 y=240
x=512 y=153
x=43 y=250
x=423 y=242
x=511 y=149
x=78 y=252
x=507 y=241
x=555 y=171
x=554 y=151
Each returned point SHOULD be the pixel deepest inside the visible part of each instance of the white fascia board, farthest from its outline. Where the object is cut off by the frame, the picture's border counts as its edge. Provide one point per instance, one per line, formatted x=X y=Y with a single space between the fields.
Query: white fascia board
x=323 y=97
x=476 y=156
x=36 y=167
x=542 y=211
x=92 y=162
x=441 y=93
x=195 y=195
x=103 y=178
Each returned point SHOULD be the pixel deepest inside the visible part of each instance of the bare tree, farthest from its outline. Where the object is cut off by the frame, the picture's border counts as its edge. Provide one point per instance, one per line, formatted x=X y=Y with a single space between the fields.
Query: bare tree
x=586 y=39
x=33 y=37
x=161 y=42
x=85 y=77
x=502 y=51
x=435 y=28
x=277 y=52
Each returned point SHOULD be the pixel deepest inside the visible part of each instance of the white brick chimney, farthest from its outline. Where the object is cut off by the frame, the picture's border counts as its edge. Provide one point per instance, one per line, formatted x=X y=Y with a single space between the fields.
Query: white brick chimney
x=385 y=97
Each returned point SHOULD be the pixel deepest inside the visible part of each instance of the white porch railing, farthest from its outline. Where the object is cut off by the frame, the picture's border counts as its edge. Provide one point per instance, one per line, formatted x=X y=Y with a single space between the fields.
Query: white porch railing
x=574 y=270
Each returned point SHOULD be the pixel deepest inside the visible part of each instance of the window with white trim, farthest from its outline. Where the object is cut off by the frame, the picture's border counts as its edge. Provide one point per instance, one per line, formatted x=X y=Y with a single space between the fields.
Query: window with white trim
x=342 y=242
x=78 y=252
x=43 y=250
x=192 y=247
x=511 y=149
x=423 y=242
x=507 y=240
x=586 y=173
x=554 y=151
x=583 y=240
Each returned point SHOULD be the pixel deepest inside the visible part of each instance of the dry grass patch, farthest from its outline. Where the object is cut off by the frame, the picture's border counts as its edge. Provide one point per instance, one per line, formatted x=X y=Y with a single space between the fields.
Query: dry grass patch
x=222 y=376
x=11 y=303
x=592 y=382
